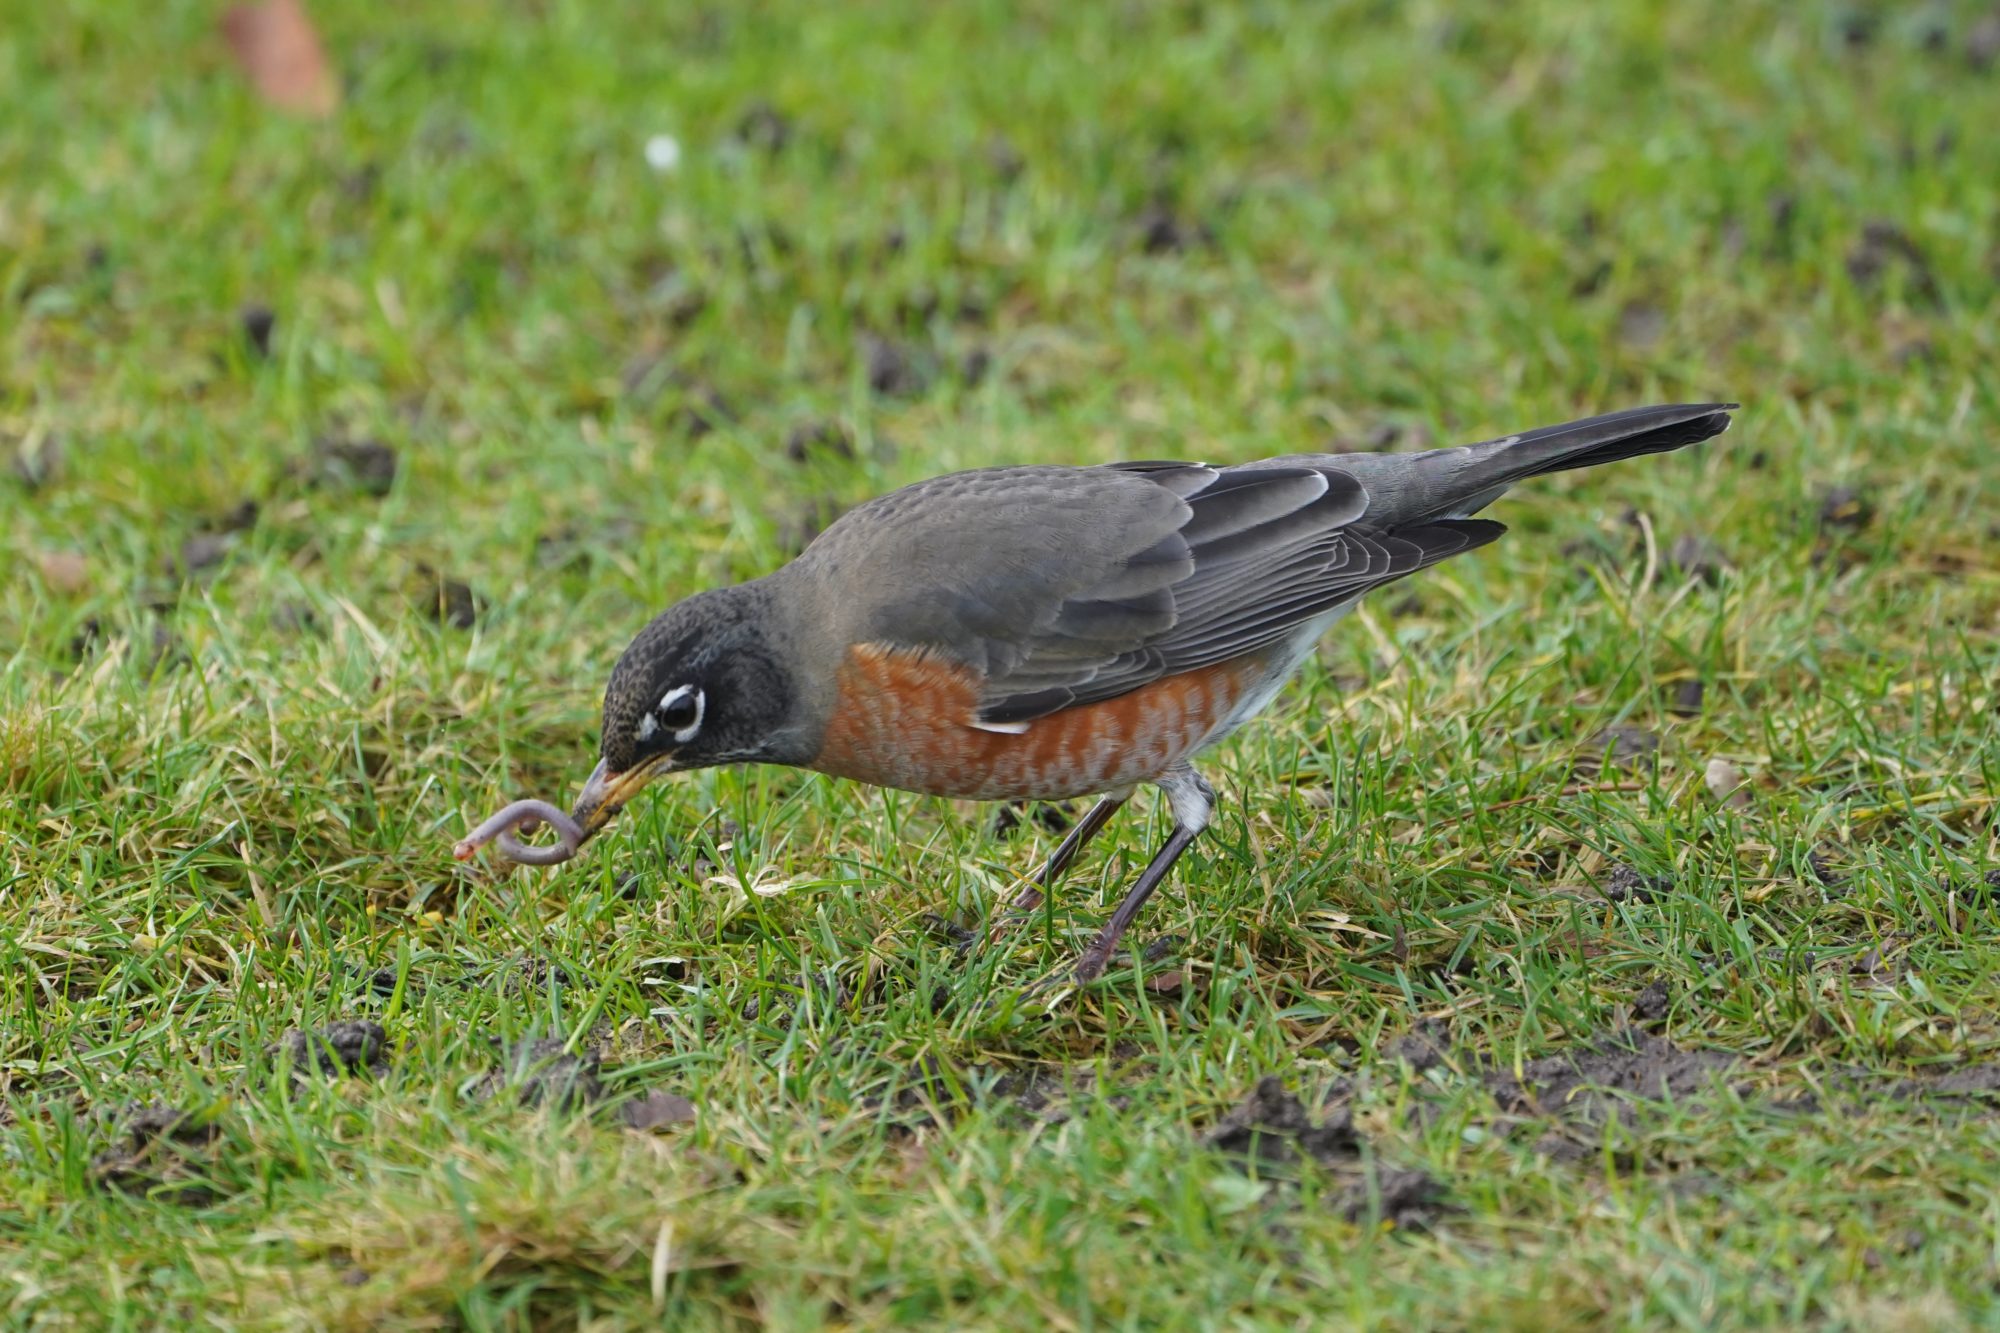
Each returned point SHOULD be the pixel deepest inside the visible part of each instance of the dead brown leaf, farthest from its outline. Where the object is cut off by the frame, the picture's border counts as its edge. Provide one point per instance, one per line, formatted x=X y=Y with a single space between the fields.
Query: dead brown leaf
x=657 y=1110
x=279 y=49
x=64 y=571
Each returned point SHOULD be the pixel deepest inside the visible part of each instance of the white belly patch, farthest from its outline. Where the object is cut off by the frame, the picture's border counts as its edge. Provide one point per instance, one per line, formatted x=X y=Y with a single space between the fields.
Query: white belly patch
x=1284 y=665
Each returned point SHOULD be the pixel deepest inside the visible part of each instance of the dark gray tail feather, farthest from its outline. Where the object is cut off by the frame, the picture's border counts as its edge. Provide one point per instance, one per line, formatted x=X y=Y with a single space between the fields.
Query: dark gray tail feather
x=1457 y=483
x=1607 y=439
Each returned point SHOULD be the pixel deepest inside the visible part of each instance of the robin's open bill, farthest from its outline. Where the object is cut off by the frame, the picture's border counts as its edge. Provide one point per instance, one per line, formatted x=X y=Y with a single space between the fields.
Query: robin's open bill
x=1048 y=632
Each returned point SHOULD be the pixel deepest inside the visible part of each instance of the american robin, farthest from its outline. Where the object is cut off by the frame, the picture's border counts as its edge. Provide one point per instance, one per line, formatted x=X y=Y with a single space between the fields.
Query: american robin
x=1049 y=632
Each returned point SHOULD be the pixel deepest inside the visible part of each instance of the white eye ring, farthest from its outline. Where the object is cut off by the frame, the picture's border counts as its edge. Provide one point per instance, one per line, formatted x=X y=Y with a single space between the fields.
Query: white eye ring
x=676 y=695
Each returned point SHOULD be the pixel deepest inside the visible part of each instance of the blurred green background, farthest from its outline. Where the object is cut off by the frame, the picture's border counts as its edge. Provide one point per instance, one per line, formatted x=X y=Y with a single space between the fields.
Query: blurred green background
x=340 y=457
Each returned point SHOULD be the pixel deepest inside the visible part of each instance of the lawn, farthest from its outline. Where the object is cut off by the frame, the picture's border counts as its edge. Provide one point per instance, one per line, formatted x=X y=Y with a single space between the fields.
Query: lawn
x=1603 y=932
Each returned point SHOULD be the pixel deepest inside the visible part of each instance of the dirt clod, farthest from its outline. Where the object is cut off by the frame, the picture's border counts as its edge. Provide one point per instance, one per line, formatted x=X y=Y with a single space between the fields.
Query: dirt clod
x=1405 y=1198
x=258 y=322
x=763 y=127
x=534 y=975
x=1883 y=246
x=894 y=369
x=1970 y=1081
x=1650 y=1005
x=365 y=465
x=1627 y=885
x=347 y=1047
x=1824 y=868
x=150 y=1124
x=1687 y=699
x=239 y=517
x=156 y=649
x=544 y=1073
x=199 y=553
x=1698 y=557
x=157 y=1156
x=1045 y=1092
x=1633 y=749
x=1844 y=509
x=1271 y=1126
x=1161 y=230
x=819 y=439
x=452 y=602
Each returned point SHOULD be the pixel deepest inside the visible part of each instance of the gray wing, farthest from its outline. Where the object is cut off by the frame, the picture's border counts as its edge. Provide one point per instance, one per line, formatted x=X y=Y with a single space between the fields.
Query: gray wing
x=1064 y=586
x=1268 y=549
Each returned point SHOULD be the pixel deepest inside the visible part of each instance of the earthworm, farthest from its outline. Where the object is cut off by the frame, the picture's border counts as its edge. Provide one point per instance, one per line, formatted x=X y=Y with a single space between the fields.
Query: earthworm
x=525 y=815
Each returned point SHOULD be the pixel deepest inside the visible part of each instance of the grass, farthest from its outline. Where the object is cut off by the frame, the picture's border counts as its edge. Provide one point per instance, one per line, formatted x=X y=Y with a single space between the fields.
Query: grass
x=1077 y=233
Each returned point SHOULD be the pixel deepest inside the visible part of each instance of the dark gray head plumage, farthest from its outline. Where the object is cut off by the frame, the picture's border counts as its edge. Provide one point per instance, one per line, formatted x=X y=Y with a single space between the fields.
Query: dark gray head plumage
x=703 y=682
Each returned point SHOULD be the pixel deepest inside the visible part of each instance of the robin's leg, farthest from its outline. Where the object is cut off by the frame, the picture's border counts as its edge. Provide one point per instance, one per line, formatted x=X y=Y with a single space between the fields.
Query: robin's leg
x=1193 y=800
x=1078 y=837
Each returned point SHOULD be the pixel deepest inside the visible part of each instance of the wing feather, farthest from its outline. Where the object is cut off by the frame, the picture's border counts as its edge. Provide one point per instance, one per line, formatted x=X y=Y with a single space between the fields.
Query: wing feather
x=1266 y=549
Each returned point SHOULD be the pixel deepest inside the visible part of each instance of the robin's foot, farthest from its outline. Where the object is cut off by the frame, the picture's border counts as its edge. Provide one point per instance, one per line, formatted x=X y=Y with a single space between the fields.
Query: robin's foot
x=1192 y=799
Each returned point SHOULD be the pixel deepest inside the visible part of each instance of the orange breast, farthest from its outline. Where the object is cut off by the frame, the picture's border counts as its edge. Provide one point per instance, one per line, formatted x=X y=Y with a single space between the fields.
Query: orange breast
x=902 y=719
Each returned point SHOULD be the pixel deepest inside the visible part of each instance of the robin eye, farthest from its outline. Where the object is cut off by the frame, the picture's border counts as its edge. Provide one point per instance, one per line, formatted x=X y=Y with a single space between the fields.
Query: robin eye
x=681 y=710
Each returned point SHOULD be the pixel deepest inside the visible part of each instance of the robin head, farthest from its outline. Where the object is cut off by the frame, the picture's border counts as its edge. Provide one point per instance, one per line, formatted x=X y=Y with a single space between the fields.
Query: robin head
x=701 y=685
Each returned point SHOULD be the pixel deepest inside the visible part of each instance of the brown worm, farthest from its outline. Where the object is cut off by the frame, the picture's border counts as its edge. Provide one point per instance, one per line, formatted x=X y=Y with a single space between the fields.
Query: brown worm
x=525 y=816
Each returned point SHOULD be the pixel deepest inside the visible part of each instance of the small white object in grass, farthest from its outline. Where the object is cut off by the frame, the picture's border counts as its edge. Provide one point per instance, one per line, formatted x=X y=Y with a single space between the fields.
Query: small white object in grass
x=1725 y=784
x=663 y=153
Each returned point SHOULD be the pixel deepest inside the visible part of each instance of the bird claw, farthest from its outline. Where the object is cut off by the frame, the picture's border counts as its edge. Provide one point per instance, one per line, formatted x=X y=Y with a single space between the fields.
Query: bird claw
x=525 y=817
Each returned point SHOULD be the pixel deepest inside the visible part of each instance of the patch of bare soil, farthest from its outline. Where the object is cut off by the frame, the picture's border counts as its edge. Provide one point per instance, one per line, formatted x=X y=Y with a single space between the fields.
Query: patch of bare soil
x=1271 y=1127
x=1050 y=1093
x=1271 y=1132
x=1970 y=1088
x=1604 y=1079
x=1603 y=1088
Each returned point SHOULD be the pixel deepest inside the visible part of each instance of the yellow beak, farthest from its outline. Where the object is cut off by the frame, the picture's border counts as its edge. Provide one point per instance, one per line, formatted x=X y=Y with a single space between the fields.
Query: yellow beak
x=605 y=794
